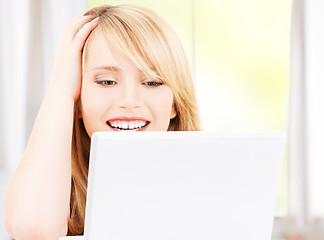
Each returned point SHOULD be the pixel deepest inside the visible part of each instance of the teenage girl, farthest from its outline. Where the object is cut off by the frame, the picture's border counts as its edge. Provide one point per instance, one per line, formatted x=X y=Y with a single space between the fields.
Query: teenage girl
x=118 y=68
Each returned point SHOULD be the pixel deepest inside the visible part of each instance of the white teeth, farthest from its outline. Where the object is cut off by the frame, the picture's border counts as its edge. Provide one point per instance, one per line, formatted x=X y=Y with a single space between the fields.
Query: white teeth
x=128 y=125
x=124 y=124
x=114 y=123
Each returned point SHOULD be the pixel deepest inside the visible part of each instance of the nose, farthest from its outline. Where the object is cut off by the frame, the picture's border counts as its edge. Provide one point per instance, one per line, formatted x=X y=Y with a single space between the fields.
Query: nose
x=129 y=97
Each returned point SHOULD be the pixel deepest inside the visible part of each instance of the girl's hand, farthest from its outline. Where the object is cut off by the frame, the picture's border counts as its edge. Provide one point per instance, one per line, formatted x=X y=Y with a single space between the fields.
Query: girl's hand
x=67 y=73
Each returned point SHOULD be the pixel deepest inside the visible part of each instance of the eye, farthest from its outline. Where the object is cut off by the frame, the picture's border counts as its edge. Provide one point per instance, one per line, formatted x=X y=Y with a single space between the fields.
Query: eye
x=153 y=83
x=106 y=82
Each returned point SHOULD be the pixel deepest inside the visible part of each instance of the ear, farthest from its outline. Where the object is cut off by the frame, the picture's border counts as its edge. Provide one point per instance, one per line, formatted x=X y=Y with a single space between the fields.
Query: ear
x=173 y=111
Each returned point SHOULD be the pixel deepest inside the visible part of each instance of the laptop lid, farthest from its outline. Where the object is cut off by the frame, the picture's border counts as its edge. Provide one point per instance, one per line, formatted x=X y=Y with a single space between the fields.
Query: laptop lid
x=182 y=185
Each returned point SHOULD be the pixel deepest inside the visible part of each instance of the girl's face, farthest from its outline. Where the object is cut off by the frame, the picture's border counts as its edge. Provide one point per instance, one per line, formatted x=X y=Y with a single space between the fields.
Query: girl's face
x=117 y=96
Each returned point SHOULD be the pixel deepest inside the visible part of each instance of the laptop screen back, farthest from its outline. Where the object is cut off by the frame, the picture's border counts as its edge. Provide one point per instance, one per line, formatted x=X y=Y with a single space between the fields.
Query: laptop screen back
x=182 y=185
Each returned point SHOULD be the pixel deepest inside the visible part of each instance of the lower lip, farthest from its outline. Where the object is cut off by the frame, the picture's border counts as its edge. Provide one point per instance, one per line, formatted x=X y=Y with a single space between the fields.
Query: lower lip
x=142 y=129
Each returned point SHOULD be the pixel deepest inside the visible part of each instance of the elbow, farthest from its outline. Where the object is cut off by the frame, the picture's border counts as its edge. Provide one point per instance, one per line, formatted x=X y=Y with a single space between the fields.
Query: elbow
x=34 y=230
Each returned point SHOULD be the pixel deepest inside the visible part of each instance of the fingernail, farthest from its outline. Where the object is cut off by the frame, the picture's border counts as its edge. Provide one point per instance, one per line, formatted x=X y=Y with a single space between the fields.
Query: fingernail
x=95 y=20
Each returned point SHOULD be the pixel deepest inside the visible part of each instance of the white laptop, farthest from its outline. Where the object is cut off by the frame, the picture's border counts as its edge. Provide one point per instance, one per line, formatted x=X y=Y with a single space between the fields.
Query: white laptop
x=183 y=185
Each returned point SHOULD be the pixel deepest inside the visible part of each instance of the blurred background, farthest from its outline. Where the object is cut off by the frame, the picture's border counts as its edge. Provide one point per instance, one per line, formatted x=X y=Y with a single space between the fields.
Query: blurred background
x=257 y=66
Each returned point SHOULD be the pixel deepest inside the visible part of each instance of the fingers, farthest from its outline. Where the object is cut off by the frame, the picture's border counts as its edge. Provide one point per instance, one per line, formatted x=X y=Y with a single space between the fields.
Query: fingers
x=74 y=26
x=84 y=32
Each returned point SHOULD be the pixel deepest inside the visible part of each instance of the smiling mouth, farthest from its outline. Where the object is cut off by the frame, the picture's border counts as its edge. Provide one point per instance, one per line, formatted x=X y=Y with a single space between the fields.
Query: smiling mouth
x=122 y=125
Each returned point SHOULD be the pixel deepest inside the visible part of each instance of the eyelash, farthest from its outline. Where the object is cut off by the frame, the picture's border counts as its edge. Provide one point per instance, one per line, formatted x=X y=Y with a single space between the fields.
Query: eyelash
x=153 y=84
x=111 y=82
x=106 y=82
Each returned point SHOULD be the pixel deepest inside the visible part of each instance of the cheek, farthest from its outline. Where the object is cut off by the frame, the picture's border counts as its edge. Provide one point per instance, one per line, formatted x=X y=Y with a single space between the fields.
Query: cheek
x=161 y=105
x=92 y=109
x=93 y=99
x=89 y=103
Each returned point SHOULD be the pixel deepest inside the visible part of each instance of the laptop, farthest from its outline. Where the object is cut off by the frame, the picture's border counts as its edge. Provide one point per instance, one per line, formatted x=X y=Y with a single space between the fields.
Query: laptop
x=183 y=185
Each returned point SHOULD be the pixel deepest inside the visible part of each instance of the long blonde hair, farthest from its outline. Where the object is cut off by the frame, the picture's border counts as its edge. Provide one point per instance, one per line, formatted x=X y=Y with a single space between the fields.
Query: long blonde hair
x=147 y=40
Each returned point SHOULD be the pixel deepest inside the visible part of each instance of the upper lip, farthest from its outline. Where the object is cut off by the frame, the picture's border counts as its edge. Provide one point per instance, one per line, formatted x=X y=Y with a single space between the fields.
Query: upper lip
x=128 y=119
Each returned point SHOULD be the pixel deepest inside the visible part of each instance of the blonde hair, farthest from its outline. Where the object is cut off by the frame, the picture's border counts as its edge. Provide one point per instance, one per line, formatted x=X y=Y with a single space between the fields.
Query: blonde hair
x=148 y=41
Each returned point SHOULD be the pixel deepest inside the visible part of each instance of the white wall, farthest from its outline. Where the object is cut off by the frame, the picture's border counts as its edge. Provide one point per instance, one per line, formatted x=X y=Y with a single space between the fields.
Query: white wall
x=30 y=34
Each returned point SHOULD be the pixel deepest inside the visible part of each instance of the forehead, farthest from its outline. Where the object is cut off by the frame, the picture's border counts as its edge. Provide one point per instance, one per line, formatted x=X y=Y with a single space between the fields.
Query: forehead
x=101 y=53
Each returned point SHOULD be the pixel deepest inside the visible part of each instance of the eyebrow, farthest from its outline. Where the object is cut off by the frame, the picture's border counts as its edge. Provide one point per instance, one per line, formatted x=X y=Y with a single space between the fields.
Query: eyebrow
x=109 y=68
x=114 y=69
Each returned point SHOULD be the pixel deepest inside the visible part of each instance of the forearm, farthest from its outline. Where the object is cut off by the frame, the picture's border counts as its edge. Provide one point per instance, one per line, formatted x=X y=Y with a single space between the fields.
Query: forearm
x=39 y=191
